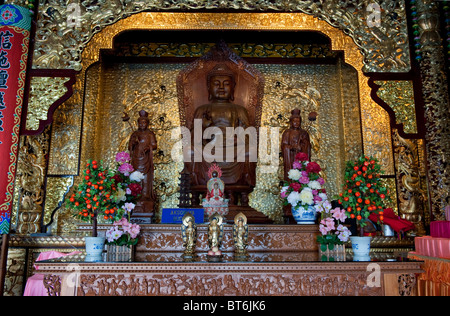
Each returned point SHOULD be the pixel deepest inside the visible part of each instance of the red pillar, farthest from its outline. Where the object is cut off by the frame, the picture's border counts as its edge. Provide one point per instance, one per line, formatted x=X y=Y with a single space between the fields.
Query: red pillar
x=15 y=27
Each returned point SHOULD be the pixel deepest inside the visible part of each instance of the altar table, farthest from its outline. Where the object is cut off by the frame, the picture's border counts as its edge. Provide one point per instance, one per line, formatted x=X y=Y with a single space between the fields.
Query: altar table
x=264 y=274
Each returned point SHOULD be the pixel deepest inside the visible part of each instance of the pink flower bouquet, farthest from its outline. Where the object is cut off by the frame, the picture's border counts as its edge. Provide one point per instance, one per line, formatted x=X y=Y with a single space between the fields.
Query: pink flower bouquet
x=331 y=226
x=123 y=233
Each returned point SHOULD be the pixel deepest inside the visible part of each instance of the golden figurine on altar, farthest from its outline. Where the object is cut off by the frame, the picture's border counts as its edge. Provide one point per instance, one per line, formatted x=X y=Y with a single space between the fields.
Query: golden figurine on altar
x=240 y=236
x=189 y=234
x=215 y=236
x=215 y=201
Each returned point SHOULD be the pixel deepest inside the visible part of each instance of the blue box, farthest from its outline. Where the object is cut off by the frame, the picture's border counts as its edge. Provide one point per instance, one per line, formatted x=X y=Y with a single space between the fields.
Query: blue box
x=175 y=215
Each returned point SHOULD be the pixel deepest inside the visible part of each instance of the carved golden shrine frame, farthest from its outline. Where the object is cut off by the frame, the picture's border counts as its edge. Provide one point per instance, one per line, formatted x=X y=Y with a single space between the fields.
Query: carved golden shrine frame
x=375 y=120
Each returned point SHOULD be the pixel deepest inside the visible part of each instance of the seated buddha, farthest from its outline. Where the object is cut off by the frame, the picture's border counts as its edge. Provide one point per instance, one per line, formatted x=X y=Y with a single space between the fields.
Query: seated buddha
x=221 y=113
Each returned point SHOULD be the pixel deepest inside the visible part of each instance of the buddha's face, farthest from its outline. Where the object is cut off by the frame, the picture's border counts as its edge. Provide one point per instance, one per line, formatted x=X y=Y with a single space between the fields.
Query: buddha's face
x=296 y=122
x=221 y=87
x=142 y=124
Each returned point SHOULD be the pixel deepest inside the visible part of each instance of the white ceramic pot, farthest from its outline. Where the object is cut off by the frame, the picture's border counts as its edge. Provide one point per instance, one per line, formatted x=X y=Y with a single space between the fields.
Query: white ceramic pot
x=94 y=248
x=304 y=216
x=361 y=246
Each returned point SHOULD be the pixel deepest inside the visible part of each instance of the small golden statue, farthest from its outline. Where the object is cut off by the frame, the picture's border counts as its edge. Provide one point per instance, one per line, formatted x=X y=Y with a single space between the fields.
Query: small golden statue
x=215 y=235
x=189 y=234
x=240 y=236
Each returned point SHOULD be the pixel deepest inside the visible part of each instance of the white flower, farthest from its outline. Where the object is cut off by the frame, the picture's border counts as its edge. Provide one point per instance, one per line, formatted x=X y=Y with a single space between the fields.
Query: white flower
x=315 y=185
x=120 y=196
x=284 y=189
x=327 y=206
x=293 y=198
x=323 y=196
x=294 y=174
x=128 y=207
x=307 y=197
x=113 y=234
x=137 y=176
x=344 y=233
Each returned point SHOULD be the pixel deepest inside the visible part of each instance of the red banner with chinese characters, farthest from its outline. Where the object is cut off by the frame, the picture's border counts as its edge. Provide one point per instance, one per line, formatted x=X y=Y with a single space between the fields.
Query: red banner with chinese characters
x=15 y=26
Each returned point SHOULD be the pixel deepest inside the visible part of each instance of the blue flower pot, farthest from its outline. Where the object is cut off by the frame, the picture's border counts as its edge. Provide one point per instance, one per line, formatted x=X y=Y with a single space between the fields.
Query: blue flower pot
x=94 y=249
x=304 y=215
x=361 y=247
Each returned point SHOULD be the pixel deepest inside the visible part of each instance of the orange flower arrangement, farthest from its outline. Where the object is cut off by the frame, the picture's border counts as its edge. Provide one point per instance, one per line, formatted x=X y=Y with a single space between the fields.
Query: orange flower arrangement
x=363 y=192
x=93 y=197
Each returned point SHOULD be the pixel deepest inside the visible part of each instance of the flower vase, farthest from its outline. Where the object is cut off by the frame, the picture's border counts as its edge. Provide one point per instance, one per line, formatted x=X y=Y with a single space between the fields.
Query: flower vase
x=115 y=253
x=304 y=215
x=331 y=252
x=361 y=248
x=94 y=248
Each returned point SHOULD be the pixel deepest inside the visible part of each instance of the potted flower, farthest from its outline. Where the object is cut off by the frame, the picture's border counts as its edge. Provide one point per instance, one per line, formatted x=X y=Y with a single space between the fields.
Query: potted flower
x=363 y=194
x=331 y=226
x=111 y=194
x=123 y=235
x=90 y=199
x=304 y=190
x=121 y=239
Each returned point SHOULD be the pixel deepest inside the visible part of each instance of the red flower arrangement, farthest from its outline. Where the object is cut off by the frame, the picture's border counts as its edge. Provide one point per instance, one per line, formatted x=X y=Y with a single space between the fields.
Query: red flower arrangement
x=363 y=192
x=93 y=196
x=111 y=194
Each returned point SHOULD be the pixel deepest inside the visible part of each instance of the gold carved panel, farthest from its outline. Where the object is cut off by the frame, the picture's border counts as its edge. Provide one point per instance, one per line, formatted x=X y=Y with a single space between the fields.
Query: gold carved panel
x=44 y=91
x=379 y=28
x=399 y=95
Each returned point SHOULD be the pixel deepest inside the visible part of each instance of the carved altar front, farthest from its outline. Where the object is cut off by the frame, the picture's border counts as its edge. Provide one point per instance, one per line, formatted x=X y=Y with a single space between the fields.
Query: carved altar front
x=277 y=277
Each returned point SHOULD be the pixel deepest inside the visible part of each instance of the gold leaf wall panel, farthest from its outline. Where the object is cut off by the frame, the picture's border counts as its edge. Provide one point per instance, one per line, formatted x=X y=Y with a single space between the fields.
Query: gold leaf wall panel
x=311 y=88
x=64 y=28
x=44 y=91
x=399 y=95
x=56 y=189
